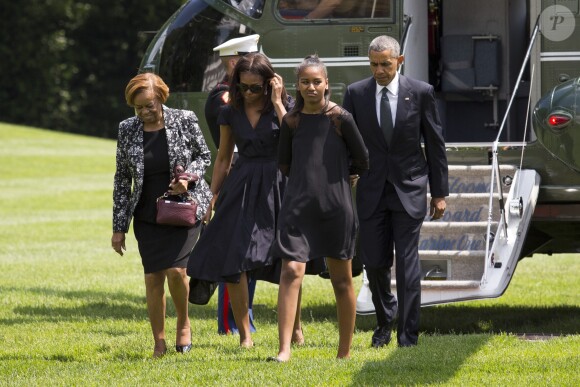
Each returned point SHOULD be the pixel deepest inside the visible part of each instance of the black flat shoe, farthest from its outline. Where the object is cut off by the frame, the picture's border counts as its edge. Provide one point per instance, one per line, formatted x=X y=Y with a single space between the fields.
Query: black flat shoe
x=183 y=348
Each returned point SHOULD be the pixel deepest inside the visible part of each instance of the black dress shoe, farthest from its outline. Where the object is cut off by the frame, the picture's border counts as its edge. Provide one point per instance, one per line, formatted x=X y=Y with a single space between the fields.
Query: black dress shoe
x=381 y=337
x=183 y=348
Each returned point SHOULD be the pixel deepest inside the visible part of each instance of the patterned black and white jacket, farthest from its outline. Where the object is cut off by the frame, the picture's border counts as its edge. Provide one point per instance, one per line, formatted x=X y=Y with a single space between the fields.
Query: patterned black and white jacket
x=186 y=146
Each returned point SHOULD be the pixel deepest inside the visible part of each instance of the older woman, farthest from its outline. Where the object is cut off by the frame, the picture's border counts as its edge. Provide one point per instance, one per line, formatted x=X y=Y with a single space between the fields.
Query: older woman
x=150 y=145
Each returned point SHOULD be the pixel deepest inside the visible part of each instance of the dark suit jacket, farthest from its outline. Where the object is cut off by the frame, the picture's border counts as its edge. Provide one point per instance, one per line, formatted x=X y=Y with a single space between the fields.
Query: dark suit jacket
x=405 y=164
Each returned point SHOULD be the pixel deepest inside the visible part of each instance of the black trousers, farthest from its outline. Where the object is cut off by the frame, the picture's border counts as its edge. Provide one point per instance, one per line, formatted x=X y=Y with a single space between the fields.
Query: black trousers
x=390 y=233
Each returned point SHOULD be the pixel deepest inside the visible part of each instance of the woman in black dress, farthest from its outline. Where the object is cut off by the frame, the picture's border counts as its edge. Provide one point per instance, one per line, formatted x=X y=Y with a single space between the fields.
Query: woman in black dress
x=322 y=152
x=150 y=145
x=247 y=198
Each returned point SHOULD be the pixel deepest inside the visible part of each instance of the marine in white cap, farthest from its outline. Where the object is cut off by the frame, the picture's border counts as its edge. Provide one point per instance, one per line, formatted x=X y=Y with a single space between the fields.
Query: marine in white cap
x=229 y=52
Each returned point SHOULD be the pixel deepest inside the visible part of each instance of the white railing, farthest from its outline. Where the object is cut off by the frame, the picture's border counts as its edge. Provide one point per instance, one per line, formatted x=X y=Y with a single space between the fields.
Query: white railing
x=495 y=172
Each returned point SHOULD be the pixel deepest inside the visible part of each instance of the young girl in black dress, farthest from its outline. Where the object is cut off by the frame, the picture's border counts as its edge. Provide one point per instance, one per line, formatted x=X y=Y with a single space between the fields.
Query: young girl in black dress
x=322 y=152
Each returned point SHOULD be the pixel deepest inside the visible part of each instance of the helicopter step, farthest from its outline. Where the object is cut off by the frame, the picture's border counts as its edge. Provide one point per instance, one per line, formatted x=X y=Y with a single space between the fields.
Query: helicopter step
x=452 y=250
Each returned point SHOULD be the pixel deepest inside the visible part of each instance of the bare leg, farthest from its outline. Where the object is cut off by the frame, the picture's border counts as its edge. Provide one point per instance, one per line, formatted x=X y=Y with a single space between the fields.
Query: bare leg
x=179 y=288
x=288 y=295
x=297 y=334
x=341 y=278
x=155 y=296
x=239 y=299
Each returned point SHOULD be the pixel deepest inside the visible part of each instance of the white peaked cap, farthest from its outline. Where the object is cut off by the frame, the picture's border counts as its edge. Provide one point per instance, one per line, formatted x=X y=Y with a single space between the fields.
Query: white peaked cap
x=239 y=46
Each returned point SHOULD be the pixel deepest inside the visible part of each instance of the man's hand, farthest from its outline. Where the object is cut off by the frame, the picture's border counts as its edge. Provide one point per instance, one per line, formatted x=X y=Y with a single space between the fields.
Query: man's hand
x=437 y=209
x=354 y=180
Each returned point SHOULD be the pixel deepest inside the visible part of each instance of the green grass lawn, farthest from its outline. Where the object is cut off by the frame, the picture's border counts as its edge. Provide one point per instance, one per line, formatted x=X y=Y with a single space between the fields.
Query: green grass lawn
x=72 y=312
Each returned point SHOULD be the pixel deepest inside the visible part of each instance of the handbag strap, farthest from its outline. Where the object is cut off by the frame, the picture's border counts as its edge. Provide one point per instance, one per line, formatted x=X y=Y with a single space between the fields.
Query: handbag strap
x=186 y=196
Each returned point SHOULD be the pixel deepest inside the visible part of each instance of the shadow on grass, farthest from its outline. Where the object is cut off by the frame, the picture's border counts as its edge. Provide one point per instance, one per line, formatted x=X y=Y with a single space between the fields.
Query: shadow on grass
x=459 y=319
x=557 y=319
x=418 y=365
x=456 y=319
x=450 y=334
x=63 y=306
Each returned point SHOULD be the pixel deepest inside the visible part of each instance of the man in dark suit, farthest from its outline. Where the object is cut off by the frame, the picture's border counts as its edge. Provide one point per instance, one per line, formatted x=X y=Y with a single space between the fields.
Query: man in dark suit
x=394 y=114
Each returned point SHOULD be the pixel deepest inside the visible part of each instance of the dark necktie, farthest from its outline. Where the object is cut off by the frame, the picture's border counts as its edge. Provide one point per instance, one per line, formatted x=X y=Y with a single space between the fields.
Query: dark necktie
x=386 y=117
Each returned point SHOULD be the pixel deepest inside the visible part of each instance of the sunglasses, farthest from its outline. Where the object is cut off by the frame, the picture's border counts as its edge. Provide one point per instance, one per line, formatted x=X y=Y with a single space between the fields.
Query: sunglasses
x=254 y=89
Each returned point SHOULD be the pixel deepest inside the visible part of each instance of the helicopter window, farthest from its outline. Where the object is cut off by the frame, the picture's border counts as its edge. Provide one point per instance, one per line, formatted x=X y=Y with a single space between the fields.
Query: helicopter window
x=187 y=62
x=334 y=9
x=252 y=8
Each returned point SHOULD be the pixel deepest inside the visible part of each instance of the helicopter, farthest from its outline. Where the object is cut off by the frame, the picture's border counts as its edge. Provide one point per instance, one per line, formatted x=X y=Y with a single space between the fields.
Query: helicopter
x=507 y=80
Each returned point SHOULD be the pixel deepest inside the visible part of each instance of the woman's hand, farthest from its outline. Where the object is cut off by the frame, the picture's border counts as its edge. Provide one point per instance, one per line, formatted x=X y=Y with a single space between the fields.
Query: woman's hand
x=208 y=213
x=277 y=85
x=207 y=217
x=178 y=187
x=118 y=242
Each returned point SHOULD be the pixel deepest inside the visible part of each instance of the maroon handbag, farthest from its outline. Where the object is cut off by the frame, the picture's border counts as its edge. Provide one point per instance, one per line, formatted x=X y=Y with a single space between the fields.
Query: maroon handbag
x=178 y=210
x=175 y=210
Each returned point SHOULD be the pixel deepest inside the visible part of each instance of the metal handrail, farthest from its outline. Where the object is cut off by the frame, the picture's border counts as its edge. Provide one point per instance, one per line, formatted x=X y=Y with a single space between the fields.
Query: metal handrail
x=529 y=104
x=495 y=171
x=404 y=39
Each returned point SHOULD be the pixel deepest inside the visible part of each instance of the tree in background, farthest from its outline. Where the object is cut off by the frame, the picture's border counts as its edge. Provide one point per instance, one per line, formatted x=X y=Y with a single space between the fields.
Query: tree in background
x=65 y=63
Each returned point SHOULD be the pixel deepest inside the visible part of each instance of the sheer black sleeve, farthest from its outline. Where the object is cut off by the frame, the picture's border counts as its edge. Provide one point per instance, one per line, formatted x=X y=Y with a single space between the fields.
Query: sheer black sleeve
x=358 y=151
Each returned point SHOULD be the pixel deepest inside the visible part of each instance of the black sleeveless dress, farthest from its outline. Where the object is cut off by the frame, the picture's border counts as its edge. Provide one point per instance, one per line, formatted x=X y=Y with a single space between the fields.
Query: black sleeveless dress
x=161 y=247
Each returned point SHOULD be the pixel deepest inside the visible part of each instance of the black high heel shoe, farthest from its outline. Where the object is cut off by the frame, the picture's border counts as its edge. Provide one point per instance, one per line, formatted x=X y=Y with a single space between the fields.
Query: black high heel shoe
x=183 y=348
